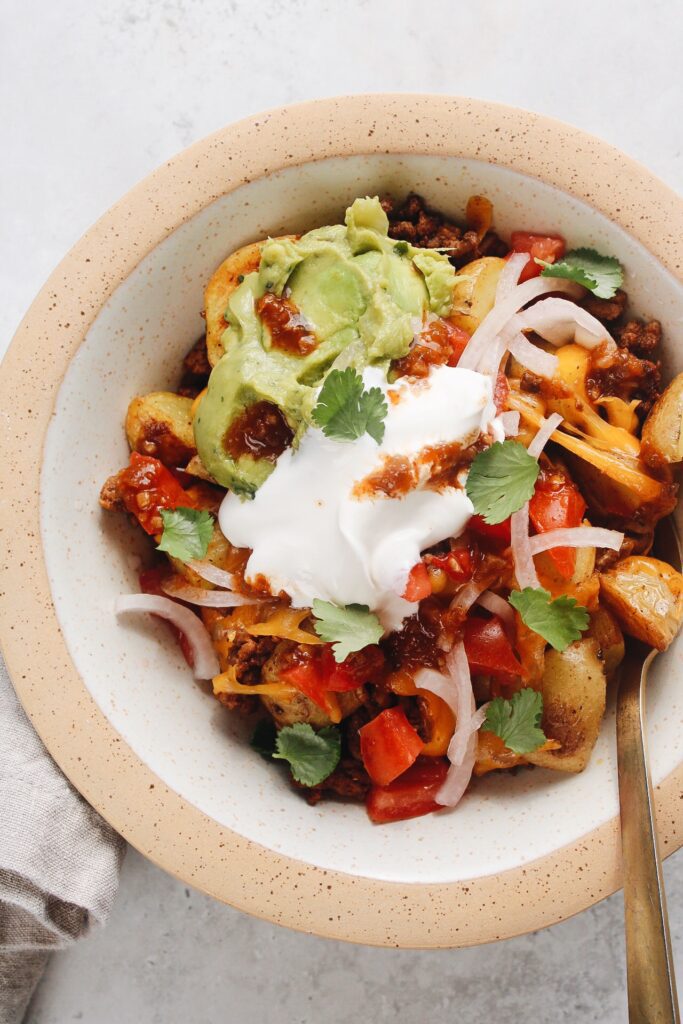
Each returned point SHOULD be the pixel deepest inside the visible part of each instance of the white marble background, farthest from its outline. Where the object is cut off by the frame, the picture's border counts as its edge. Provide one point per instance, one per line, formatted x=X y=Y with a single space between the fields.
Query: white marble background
x=94 y=95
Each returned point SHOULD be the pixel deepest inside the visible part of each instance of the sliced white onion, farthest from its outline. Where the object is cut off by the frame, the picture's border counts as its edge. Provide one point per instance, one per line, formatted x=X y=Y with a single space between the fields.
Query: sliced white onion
x=213 y=574
x=525 y=570
x=497 y=605
x=479 y=717
x=459 y=775
x=461 y=682
x=491 y=359
x=509 y=275
x=510 y=423
x=206 y=598
x=204 y=660
x=494 y=321
x=462 y=749
x=560 y=322
x=497 y=429
x=576 y=537
x=545 y=431
x=466 y=596
x=544 y=364
x=439 y=684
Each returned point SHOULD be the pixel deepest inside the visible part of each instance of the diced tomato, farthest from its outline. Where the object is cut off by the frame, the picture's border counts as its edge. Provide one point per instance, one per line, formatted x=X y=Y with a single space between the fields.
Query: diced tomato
x=556 y=504
x=457 y=564
x=411 y=795
x=360 y=667
x=439 y=342
x=541 y=247
x=501 y=390
x=498 y=533
x=316 y=673
x=389 y=745
x=419 y=585
x=308 y=676
x=488 y=649
x=150 y=583
x=146 y=486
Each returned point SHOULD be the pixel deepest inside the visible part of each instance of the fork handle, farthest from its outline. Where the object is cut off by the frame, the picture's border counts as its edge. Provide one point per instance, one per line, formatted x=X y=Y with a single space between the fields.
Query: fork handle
x=651 y=980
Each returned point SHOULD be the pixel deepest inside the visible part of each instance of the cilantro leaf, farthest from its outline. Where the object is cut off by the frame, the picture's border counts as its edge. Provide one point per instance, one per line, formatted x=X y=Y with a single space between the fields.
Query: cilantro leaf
x=187 y=533
x=517 y=721
x=600 y=274
x=345 y=411
x=312 y=755
x=348 y=629
x=560 y=622
x=264 y=738
x=500 y=480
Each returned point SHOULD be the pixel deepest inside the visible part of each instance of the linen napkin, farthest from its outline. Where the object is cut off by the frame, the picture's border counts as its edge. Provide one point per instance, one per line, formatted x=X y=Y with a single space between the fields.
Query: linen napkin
x=59 y=860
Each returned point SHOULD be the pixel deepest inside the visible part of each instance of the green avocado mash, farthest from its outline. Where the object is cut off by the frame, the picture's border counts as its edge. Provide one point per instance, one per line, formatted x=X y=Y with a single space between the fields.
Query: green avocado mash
x=352 y=284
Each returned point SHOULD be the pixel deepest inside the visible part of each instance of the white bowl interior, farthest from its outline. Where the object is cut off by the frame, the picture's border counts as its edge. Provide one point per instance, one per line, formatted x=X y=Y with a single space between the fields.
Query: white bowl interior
x=134 y=670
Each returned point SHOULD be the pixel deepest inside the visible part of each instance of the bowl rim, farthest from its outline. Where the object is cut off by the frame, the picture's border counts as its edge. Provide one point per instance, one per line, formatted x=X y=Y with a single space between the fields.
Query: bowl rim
x=153 y=818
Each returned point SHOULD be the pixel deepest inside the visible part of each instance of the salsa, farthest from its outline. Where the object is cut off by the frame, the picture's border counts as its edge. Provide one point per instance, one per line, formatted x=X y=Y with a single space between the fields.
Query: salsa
x=289 y=330
x=260 y=431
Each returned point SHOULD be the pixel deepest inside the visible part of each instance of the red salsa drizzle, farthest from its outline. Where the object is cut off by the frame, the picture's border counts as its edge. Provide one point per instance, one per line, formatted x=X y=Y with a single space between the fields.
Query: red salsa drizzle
x=439 y=342
x=288 y=328
x=415 y=646
x=260 y=431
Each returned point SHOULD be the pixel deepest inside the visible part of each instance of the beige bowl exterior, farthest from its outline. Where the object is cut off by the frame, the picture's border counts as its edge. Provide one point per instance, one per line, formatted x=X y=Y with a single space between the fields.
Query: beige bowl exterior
x=173 y=834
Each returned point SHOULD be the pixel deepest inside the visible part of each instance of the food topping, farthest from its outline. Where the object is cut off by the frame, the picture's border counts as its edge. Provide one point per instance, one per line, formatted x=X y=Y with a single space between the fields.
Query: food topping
x=186 y=533
x=260 y=431
x=288 y=329
x=602 y=275
x=560 y=622
x=345 y=411
x=517 y=722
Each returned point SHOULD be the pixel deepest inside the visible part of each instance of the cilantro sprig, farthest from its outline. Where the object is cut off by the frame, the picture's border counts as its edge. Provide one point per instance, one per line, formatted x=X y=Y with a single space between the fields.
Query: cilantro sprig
x=345 y=411
x=602 y=275
x=501 y=480
x=517 y=721
x=348 y=629
x=187 y=532
x=312 y=756
x=560 y=622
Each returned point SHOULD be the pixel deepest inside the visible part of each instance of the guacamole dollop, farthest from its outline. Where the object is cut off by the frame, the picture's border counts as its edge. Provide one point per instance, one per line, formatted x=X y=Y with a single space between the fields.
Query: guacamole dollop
x=351 y=285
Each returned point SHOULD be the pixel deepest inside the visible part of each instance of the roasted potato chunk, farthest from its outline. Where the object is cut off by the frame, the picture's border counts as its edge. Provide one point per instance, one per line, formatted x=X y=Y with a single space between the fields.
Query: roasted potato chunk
x=223 y=282
x=646 y=597
x=160 y=424
x=662 y=437
x=605 y=630
x=574 y=688
x=475 y=292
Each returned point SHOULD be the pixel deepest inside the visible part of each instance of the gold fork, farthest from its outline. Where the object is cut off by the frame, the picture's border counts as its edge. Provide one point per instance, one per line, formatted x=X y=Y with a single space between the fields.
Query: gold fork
x=652 y=995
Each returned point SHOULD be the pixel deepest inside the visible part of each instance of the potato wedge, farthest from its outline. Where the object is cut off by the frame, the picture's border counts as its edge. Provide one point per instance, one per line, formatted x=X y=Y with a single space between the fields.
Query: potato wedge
x=574 y=688
x=160 y=424
x=646 y=597
x=662 y=437
x=609 y=638
x=222 y=283
x=475 y=292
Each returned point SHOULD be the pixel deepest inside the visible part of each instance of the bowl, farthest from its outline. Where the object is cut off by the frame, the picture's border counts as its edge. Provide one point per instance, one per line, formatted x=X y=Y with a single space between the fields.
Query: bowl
x=115 y=704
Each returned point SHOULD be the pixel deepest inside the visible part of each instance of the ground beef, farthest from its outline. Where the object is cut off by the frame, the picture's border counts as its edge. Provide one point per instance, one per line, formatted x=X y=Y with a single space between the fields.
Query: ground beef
x=196 y=370
x=247 y=655
x=412 y=221
x=641 y=339
x=606 y=310
x=349 y=781
x=632 y=373
x=109 y=495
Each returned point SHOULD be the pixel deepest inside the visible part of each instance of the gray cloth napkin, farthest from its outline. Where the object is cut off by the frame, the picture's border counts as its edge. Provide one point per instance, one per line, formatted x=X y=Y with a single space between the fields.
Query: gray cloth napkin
x=59 y=861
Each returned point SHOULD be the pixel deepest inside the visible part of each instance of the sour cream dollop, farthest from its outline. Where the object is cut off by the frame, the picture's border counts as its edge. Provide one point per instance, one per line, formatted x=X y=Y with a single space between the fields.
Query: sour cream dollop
x=315 y=533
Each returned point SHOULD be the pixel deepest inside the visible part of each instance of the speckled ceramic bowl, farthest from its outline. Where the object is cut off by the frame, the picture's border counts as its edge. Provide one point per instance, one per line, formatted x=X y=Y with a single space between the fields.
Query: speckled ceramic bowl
x=115 y=704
